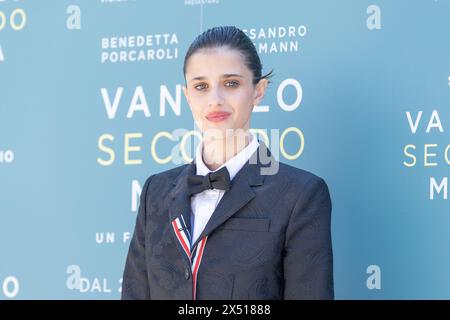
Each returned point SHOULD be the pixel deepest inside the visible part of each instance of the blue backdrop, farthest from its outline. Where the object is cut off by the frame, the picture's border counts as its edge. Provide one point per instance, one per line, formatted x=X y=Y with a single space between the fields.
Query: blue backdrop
x=91 y=100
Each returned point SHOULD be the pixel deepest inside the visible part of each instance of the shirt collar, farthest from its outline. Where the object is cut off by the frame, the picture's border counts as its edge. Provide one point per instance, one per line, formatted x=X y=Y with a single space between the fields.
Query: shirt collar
x=234 y=164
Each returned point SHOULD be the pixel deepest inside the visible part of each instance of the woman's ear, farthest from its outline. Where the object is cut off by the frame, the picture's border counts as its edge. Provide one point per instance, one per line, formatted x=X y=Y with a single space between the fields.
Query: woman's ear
x=260 y=91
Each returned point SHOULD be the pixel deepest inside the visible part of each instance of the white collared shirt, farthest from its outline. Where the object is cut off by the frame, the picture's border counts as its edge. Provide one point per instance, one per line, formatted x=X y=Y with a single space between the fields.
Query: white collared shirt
x=204 y=203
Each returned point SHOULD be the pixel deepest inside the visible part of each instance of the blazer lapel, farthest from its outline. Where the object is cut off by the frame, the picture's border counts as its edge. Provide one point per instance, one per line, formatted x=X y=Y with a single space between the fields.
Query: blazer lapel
x=241 y=191
x=180 y=212
x=238 y=196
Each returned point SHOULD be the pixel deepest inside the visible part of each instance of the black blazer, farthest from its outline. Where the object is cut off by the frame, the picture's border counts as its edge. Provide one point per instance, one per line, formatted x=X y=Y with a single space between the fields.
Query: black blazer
x=269 y=238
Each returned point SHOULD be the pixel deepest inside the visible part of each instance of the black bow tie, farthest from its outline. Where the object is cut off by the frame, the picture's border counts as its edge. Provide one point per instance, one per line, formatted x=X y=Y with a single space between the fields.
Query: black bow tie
x=219 y=179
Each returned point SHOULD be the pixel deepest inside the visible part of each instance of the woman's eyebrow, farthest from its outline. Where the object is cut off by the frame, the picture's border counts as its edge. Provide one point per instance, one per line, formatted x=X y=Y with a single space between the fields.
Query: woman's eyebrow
x=229 y=75
x=225 y=75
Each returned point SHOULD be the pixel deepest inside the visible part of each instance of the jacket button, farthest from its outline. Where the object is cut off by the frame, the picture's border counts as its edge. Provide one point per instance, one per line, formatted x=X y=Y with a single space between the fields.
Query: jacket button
x=187 y=274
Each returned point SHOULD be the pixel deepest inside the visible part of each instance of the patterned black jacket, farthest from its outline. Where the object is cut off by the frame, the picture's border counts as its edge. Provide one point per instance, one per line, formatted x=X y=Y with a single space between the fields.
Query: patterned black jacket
x=269 y=238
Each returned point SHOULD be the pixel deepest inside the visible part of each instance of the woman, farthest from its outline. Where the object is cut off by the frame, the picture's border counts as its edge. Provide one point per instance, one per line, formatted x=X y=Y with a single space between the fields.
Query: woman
x=227 y=225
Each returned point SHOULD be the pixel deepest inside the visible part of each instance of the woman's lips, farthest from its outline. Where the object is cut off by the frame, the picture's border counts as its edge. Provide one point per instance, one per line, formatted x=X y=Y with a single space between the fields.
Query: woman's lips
x=217 y=116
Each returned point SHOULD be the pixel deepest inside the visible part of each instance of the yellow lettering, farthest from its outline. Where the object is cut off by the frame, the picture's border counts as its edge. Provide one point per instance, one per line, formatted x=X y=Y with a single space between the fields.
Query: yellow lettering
x=410 y=155
x=105 y=149
x=23 y=19
x=446 y=154
x=302 y=143
x=128 y=148
x=426 y=155
x=153 y=147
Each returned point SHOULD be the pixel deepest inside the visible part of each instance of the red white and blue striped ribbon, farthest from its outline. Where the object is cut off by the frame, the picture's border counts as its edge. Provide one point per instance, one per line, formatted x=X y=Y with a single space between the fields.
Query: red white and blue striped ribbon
x=195 y=254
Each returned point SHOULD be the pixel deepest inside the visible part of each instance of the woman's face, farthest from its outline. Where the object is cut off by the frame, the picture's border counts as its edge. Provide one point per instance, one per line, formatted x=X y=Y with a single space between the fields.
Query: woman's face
x=220 y=91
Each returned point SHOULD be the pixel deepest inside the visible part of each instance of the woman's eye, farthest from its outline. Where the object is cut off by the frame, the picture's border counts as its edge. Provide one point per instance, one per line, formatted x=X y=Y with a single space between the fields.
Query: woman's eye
x=233 y=83
x=200 y=86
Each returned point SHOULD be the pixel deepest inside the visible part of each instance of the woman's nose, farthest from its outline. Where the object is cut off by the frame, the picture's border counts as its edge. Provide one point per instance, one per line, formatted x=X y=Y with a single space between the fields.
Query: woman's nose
x=215 y=97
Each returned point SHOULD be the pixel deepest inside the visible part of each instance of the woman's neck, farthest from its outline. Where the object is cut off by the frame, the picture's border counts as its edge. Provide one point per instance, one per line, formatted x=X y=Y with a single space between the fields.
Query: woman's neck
x=218 y=151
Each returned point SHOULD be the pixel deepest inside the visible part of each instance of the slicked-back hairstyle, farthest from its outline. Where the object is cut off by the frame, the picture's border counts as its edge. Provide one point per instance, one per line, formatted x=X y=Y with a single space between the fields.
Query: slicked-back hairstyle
x=232 y=38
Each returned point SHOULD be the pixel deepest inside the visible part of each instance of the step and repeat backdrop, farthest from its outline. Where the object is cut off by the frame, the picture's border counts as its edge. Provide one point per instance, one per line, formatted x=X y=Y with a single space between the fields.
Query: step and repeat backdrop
x=91 y=105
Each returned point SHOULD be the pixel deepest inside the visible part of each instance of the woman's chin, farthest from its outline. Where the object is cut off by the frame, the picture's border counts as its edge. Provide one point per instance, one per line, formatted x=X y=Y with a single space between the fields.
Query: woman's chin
x=218 y=131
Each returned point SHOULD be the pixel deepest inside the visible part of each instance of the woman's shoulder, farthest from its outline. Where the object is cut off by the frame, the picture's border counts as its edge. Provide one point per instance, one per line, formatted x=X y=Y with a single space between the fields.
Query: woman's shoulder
x=167 y=176
x=305 y=184
x=299 y=176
